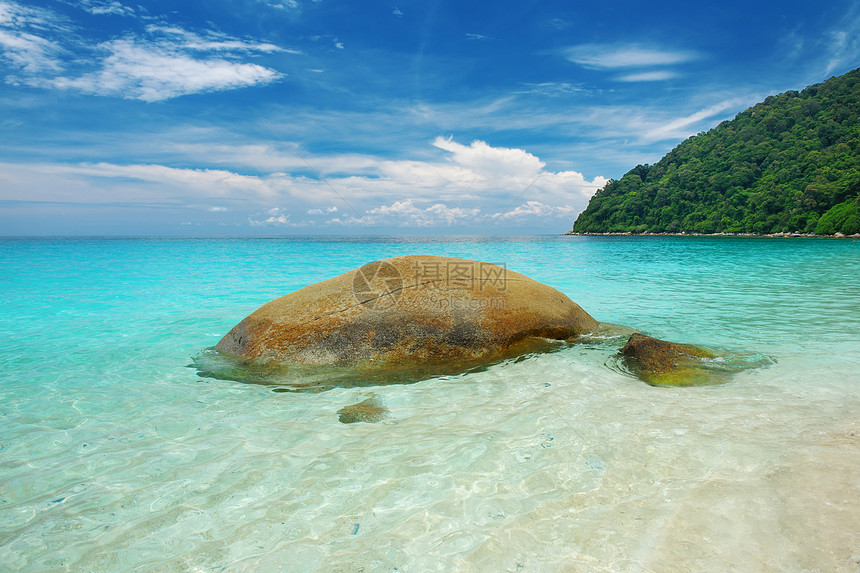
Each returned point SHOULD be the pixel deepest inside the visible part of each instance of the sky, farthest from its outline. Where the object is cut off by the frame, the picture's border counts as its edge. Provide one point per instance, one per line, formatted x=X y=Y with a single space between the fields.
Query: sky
x=309 y=117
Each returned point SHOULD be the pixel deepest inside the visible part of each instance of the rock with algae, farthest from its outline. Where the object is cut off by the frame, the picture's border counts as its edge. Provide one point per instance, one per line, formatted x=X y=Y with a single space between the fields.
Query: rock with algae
x=370 y=410
x=662 y=363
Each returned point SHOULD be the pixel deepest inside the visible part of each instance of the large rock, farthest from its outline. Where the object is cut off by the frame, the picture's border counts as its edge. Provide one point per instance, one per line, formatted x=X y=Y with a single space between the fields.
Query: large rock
x=404 y=311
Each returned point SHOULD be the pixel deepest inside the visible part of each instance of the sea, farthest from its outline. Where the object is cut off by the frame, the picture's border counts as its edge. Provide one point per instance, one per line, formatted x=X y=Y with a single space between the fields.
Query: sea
x=117 y=453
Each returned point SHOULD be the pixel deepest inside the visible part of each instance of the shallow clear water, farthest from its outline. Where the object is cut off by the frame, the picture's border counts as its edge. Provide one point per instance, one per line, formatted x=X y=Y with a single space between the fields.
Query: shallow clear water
x=115 y=455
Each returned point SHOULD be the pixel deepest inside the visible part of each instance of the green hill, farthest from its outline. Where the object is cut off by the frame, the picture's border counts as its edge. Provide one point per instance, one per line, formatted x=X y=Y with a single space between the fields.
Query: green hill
x=790 y=163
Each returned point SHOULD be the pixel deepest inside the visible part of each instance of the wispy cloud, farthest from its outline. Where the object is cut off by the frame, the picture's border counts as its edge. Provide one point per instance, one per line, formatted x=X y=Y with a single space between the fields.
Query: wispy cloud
x=210 y=40
x=161 y=63
x=554 y=89
x=475 y=182
x=15 y=15
x=157 y=72
x=105 y=7
x=618 y=56
x=680 y=127
x=281 y=4
x=22 y=38
x=843 y=40
x=655 y=76
x=30 y=53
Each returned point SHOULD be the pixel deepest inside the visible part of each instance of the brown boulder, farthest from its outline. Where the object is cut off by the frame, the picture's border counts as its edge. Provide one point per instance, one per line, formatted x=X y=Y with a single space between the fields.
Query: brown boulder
x=409 y=310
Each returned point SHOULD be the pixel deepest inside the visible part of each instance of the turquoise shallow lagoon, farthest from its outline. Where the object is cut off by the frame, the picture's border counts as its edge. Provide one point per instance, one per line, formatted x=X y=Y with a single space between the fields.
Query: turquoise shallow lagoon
x=116 y=456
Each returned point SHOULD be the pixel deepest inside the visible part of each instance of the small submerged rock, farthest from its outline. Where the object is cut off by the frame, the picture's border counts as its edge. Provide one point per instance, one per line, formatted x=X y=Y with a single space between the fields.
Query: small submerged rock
x=658 y=356
x=662 y=363
x=370 y=410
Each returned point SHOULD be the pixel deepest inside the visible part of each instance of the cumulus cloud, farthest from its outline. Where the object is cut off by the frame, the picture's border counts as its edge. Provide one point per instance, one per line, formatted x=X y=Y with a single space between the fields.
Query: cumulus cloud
x=535 y=209
x=406 y=214
x=276 y=216
x=486 y=161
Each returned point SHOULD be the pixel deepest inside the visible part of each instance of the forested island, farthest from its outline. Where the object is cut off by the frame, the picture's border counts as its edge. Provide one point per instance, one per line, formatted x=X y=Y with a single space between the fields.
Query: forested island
x=790 y=164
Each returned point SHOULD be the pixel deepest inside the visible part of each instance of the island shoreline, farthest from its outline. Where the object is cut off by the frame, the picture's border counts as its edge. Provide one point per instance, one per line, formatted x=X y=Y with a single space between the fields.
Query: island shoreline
x=795 y=235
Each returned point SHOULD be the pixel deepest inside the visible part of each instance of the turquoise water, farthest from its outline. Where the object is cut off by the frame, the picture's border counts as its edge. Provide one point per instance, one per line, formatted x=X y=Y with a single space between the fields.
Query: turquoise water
x=115 y=455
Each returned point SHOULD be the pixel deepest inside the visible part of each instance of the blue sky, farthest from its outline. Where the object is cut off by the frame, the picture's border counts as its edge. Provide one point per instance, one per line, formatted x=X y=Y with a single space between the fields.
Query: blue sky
x=304 y=117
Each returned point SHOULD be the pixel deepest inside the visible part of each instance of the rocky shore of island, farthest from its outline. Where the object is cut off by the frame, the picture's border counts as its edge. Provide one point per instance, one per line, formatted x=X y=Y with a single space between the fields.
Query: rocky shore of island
x=794 y=235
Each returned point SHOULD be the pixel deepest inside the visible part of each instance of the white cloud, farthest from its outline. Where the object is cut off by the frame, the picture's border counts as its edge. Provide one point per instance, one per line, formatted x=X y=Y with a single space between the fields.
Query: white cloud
x=614 y=56
x=554 y=89
x=679 y=128
x=281 y=4
x=485 y=161
x=155 y=73
x=163 y=63
x=397 y=12
x=107 y=182
x=102 y=7
x=843 y=41
x=465 y=184
x=211 y=41
x=655 y=76
x=30 y=53
x=22 y=41
x=406 y=214
x=535 y=209
x=16 y=15
x=276 y=216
